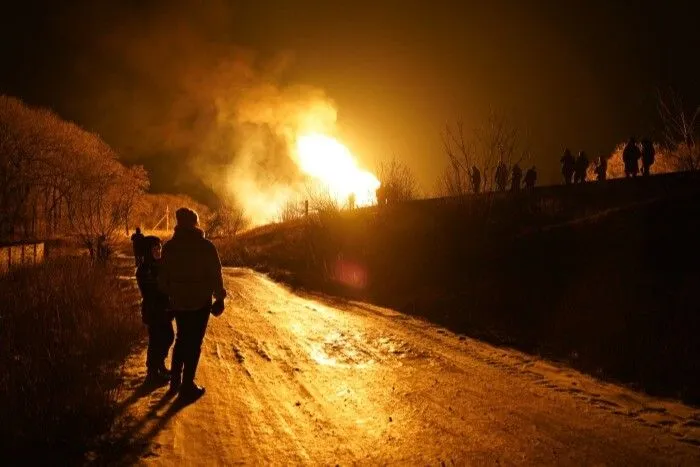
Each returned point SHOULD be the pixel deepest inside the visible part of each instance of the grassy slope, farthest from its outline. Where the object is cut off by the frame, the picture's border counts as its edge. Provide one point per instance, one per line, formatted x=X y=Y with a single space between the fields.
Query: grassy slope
x=602 y=277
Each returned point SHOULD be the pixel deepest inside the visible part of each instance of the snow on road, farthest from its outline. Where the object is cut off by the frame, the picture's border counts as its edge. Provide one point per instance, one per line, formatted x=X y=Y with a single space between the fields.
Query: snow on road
x=315 y=380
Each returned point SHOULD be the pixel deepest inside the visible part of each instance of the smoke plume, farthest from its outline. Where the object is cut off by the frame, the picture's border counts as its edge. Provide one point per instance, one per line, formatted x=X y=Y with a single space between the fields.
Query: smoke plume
x=170 y=88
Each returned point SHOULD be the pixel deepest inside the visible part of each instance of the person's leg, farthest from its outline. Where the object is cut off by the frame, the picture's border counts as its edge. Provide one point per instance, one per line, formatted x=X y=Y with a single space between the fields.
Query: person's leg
x=179 y=351
x=152 y=351
x=197 y=328
x=167 y=338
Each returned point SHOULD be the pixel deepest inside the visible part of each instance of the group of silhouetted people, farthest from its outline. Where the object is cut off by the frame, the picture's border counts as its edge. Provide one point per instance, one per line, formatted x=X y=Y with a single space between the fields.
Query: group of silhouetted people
x=632 y=154
x=177 y=281
x=501 y=178
x=575 y=170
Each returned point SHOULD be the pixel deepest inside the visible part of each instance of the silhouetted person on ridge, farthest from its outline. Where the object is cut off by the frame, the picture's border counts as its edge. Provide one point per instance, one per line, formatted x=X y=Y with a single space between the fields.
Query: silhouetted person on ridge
x=154 y=312
x=190 y=274
x=581 y=167
x=648 y=156
x=475 y=176
x=630 y=157
x=530 y=179
x=137 y=245
x=501 y=176
x=567 y=166
x=516 y=178
x=601 y=168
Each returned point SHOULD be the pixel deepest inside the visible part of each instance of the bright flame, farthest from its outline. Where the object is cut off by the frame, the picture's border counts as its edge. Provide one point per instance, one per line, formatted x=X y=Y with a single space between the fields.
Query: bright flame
x=332 y=164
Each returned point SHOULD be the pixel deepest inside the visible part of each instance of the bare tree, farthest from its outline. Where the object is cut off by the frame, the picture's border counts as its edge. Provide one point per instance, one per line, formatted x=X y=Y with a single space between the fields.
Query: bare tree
x=227 y=220
x=495 y=141
x=103 y=195
x=397 y=180
x=291 y=210
x=55 y=173
x=321 y=197
x=680 y=129
x=461 y=153
x=150 y=210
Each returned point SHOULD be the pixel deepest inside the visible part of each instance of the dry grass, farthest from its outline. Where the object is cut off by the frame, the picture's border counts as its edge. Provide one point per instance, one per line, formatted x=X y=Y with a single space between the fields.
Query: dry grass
x=64 y=328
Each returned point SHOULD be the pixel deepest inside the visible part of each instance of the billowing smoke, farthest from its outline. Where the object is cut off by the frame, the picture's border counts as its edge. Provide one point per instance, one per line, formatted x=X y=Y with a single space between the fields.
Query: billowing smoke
x=170 y=88
x=260 y=173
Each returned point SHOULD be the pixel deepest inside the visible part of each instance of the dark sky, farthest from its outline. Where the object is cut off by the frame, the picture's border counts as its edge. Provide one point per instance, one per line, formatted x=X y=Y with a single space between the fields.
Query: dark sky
x=577 y=74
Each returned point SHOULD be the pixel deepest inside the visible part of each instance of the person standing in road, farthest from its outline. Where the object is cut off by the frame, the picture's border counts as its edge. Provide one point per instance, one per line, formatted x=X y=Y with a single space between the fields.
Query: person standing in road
x=154 y=313
x=190 y=275
x=137 y=245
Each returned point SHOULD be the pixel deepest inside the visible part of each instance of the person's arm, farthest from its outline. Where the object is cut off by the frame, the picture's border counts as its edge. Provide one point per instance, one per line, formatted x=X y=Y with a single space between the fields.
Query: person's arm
x=216 y=275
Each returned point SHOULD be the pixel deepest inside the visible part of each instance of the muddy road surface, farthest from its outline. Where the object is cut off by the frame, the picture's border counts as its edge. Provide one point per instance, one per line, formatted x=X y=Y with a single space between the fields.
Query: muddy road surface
x=308 y=379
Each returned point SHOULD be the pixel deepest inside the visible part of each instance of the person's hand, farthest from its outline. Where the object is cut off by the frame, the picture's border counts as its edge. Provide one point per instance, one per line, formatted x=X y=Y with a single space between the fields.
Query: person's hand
x=217 y=308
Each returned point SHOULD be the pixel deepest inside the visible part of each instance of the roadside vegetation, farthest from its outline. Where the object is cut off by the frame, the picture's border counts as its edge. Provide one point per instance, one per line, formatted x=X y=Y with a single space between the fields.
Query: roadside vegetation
x=65 y=328
x=65 y=324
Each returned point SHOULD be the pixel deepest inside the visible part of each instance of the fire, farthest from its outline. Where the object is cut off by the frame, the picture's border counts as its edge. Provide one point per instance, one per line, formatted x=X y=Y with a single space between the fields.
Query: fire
x=332 y=164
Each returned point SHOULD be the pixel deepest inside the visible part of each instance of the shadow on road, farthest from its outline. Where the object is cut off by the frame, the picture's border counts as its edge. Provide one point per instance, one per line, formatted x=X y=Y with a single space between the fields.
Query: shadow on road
x=132 y=440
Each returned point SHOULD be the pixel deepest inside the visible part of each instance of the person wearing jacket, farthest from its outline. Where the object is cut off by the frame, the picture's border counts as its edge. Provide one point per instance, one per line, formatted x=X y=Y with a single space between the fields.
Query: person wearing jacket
x=154 y=312
x=190 y=275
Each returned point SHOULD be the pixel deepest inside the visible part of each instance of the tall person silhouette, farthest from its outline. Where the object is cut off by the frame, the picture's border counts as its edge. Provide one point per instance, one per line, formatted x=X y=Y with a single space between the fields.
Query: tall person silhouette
x=190 y=275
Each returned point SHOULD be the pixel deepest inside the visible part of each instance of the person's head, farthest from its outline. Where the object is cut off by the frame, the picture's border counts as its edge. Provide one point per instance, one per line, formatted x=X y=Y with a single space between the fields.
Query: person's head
x=186 y=218
x=152 y=248
x=138 y=230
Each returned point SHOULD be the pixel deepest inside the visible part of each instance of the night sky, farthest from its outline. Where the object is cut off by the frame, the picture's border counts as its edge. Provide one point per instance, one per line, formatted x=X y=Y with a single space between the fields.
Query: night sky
x=576 y=74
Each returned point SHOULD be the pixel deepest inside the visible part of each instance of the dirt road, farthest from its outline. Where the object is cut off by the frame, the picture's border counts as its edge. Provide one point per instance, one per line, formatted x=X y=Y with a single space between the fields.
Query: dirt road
x=312 y=380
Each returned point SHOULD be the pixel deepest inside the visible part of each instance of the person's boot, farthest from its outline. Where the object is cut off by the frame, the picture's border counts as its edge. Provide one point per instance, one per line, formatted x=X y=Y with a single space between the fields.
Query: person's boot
x=175 y=380
x=190 y=392
x=156 y=378
x=164 y=371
